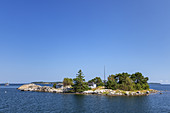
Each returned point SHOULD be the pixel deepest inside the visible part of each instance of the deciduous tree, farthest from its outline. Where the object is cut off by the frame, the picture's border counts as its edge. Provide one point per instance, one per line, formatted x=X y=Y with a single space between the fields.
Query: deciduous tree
x=67 y=81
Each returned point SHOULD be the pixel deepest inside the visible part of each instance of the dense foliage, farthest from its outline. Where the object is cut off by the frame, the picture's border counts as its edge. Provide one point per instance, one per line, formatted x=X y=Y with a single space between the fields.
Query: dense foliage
x=67 y=81
x=125 y=81
x=79 y=83
x=121 y=81
x=54 y=85
x=97 y=81
x=140 y=81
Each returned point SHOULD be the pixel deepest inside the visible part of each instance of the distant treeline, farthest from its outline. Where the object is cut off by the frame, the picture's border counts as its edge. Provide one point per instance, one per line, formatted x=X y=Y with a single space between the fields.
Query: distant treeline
x=13 y=84
x=46 y=82
x=155 y=83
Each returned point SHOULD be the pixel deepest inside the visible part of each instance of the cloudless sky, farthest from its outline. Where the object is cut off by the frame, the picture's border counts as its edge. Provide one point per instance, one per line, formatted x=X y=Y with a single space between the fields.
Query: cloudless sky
x=47 y=40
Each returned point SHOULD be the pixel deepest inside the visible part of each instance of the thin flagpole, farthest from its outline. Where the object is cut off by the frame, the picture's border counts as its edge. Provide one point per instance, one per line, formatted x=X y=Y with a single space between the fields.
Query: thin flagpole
x=104 y=74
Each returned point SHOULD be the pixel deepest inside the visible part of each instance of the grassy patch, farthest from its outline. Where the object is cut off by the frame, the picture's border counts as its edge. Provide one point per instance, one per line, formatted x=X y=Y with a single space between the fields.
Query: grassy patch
x=123 y=92
x=106 y=93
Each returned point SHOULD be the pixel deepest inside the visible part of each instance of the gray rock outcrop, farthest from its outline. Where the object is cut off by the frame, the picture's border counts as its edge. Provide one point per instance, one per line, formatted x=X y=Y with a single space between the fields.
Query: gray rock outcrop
x=38 y=88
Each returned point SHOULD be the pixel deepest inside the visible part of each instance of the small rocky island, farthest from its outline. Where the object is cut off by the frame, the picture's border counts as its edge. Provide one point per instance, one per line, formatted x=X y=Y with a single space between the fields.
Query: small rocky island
x=98 y=91
x=122 y=84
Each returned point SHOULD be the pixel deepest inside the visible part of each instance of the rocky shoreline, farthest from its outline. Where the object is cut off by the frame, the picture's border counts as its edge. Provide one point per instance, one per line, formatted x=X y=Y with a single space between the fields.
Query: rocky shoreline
x=97 y=91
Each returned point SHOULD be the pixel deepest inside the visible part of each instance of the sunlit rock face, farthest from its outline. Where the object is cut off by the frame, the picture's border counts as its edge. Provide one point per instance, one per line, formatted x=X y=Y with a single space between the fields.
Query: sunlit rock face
x=38 y=88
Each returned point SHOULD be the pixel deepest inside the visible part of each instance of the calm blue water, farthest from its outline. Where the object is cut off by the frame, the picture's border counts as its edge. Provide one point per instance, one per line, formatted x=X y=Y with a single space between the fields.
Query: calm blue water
x=15 y=101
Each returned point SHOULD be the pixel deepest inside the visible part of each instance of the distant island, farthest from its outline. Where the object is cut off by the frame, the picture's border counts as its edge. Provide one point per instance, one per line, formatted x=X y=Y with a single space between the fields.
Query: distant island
x=41 y=82
x=155 y=83
x=118 y=84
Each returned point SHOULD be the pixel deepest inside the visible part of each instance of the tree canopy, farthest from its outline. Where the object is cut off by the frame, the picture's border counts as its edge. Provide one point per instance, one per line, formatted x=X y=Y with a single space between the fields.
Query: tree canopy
x=97 y=81
x=122 y=81
x=112 y=82
x=125 y=81
x=67 y=81
x=54 y=85
x=79 y=83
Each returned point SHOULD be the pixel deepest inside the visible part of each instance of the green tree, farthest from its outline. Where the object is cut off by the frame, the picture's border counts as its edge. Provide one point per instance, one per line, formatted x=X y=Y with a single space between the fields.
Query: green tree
x=145 y=86
x=125 y=81
x=67 y=81
x=79 y=83
x=127 y=84
x=122 y=77
x=140 y=81
x=111 y=83
x=97 y=81
x=54 y=85
x=138 y=86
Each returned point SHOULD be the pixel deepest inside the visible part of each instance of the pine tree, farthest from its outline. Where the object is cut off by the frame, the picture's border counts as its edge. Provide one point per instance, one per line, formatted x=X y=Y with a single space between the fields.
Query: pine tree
x=79 y=83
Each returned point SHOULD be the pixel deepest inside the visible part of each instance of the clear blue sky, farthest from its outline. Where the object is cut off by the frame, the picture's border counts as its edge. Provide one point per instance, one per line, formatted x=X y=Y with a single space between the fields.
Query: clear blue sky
x=47 y=40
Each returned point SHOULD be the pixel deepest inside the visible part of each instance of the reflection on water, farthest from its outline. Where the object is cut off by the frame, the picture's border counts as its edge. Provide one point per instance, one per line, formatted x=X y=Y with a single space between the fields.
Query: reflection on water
x=17 y=101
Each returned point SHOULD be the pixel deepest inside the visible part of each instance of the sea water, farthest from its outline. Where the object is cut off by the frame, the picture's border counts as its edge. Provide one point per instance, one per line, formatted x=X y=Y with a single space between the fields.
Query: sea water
x=15 y=101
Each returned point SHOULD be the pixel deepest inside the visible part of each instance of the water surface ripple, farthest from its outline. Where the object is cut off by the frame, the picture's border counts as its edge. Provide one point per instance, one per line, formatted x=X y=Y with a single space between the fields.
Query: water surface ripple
x=15 y=101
